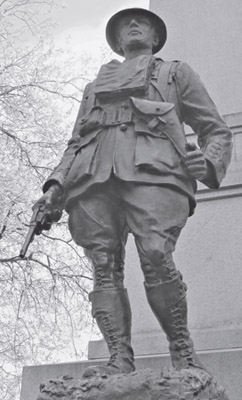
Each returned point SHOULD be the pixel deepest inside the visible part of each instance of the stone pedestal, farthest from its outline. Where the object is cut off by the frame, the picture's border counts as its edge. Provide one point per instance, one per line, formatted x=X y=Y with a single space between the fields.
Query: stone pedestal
x=225 y=366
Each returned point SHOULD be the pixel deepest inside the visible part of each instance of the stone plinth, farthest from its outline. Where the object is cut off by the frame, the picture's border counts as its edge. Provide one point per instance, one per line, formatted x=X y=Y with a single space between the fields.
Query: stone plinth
x=225 y=366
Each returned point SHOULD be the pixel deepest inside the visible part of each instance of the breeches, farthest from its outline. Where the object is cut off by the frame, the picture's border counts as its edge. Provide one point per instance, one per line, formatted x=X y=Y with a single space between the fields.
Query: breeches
x=102 y=218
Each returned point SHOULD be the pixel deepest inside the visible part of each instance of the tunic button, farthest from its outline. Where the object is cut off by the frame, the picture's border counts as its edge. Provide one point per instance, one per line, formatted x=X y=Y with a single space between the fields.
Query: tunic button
x=123 y=127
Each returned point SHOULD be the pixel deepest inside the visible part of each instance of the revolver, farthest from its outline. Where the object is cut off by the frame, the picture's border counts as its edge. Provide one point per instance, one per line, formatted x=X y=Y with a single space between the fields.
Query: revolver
x=38 y=222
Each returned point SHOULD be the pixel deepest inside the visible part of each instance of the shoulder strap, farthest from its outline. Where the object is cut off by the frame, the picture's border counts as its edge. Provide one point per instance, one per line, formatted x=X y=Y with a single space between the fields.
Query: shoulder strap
x=164 y=77
x=164 y=81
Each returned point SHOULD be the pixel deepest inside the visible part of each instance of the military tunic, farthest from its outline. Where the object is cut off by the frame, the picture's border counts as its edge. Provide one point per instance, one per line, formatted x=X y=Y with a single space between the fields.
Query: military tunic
x=121 y=172
x=130 y=149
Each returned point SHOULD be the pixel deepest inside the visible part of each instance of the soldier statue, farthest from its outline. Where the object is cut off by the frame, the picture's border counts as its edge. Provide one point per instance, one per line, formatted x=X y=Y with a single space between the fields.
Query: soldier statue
x=128 y=169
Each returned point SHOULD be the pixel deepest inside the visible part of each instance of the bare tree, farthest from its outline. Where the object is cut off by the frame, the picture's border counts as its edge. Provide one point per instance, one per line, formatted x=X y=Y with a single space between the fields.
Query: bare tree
x=44 y=312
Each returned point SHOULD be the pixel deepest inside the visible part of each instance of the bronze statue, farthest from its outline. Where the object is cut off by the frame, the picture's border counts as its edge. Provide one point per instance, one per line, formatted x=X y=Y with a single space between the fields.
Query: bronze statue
x=128 y=168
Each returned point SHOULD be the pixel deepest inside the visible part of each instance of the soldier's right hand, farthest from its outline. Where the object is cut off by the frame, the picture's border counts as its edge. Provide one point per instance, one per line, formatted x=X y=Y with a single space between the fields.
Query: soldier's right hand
x=52 y=200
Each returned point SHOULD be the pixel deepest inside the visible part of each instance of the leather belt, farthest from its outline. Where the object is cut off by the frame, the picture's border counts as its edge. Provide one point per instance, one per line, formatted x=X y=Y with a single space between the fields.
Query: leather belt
x=99 y=118
x=117 y=117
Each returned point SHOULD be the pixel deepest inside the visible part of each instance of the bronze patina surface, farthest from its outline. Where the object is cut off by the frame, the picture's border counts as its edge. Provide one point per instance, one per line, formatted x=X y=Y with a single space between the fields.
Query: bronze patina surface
x=129 y=169
x=143 y=385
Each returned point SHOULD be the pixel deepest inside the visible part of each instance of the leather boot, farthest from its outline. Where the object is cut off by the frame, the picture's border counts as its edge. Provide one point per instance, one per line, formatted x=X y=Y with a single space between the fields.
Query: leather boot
x=168 y=302
x=111 y=309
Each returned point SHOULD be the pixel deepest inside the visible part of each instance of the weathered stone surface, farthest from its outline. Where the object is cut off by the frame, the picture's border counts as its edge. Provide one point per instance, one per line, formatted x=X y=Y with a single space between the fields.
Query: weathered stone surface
x=141 y=385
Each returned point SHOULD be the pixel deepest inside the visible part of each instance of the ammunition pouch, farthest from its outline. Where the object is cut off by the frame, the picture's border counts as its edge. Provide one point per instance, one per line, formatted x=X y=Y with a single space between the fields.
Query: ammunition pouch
x=159 y=119
x=99 y=118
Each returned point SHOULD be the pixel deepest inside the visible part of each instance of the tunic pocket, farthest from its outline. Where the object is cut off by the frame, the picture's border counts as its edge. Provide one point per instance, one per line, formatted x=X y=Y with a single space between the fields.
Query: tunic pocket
x=84 y=162
x=155 y=153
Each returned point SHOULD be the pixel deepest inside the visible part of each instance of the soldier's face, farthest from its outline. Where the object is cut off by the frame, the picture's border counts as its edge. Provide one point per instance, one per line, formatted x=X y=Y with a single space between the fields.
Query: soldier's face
x=136 y=31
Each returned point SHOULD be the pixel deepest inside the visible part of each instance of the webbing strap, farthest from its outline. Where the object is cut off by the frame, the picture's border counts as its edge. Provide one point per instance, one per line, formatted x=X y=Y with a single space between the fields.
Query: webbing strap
x=162 y=78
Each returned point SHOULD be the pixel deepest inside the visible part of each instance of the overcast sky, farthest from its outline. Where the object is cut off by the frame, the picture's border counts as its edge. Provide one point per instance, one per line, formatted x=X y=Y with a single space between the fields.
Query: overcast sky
x=84 y=22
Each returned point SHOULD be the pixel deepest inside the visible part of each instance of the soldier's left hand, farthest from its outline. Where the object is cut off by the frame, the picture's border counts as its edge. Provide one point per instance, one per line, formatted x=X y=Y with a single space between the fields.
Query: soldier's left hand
x=196 y=163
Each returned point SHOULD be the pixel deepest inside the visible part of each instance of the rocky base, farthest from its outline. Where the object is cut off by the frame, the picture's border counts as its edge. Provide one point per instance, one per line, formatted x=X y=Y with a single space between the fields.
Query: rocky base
x=140 y=385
